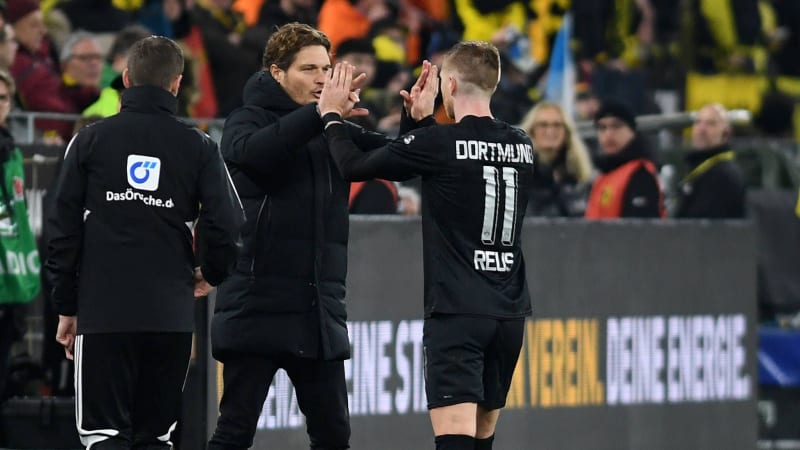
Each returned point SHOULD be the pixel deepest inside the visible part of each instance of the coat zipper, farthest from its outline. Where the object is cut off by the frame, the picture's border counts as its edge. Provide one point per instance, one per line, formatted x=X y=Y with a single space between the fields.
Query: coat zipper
x=257 y=232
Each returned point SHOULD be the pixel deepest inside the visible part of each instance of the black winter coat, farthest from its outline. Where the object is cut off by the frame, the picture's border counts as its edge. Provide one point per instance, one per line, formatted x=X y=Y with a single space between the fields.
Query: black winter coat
x=287 y=294
x=716 y=191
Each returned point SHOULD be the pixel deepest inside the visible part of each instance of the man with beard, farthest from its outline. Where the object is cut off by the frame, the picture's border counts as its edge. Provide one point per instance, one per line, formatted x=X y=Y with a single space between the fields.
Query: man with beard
x=628 y=185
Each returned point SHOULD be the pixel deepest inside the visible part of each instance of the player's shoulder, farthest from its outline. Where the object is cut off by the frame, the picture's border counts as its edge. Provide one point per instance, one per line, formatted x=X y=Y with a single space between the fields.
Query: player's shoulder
x=512 y=131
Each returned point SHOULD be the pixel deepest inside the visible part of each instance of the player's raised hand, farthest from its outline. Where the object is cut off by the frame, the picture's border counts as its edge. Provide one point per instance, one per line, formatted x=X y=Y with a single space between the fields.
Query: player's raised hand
x=420 y=102
x=410 y=96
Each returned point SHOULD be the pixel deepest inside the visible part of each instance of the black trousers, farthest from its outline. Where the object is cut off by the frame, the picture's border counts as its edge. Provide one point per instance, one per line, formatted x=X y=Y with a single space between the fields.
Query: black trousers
x=128 y=388
x=321 y=395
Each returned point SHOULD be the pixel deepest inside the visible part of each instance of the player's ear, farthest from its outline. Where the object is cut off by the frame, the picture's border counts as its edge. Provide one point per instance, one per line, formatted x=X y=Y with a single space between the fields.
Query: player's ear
x=452 y=85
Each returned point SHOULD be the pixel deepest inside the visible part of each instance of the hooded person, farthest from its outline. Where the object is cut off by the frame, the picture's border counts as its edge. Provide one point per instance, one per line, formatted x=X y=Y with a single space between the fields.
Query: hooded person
x=628 y=183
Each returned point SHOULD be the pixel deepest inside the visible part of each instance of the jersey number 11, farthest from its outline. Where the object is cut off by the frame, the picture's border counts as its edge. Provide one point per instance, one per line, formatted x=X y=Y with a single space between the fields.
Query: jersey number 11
x=491 y=175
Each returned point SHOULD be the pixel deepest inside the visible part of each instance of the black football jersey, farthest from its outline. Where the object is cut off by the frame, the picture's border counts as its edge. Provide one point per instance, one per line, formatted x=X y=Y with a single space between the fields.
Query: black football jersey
x=476 y=176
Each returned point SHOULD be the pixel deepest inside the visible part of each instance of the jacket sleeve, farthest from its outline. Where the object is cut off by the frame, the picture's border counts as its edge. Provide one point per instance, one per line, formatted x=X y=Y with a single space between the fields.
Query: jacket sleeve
x=65 y=230
x=369 y=140
x=407 y=123
x=399 y=160
x=642 y=196
x=221 y=217
x=252 y=142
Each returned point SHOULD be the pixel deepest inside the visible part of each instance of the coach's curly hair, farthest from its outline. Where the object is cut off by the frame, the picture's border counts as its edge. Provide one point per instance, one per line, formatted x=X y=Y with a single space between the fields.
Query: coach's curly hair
x=289 y=39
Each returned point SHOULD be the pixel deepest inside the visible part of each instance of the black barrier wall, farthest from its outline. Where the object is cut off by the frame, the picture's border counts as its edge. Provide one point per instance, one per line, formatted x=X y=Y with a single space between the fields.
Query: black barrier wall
x=643 y=337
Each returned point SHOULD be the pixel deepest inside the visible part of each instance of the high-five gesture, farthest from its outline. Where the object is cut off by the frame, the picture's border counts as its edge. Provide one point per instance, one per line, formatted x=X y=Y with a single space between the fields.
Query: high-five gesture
x=340 y=92
x=420 y=102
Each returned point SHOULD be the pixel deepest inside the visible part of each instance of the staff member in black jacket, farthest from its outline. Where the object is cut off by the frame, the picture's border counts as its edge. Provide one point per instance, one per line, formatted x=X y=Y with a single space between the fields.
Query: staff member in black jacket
x=714 y=187
x=284 y=306
x=121 y=253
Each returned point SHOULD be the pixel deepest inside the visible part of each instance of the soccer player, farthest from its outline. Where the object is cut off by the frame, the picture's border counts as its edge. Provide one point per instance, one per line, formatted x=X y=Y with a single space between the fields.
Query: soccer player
x=476 y=174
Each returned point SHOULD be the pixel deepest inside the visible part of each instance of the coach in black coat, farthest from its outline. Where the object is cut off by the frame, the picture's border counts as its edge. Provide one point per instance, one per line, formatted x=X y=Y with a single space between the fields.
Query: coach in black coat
x=284 y=305
x=287 y=294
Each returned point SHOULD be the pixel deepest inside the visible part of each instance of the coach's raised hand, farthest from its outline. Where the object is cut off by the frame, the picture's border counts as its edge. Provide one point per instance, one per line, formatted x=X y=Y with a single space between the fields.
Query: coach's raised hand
x=340 y=93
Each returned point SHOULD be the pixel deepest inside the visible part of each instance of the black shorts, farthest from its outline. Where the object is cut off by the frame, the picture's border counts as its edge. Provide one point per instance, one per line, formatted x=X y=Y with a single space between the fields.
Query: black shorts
x=470 y=359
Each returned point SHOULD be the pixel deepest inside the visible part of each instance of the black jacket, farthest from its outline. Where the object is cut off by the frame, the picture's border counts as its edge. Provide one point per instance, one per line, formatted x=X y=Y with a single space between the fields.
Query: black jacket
x=713 y=191
x=120 y=244
x=556 y=192
x=287 y=293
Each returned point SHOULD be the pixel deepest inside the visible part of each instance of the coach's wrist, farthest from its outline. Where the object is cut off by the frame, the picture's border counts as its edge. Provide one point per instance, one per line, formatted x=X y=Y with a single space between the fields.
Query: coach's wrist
x=330 y=118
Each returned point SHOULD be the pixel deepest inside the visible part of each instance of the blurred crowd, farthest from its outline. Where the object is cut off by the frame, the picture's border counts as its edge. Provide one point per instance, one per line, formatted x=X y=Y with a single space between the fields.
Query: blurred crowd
x=68 y=52
x=649 y=56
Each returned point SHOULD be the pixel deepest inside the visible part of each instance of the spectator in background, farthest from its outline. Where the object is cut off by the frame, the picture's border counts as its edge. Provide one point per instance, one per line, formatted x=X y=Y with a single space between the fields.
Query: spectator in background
x=17 y=287
x=496 y=21
x=628 y=184
x=350 y=19
x=361 y=54
x=564 y=163
x=232 y=49
x=512 y=99
x=373 y=196
x=117 y=58
x=111 y=80
x=724 y=35
x=82 y=61
x=8 y=46
x=586 y=105
x=99 y=16
x=714 y=187
x=36 y=72
x=275 y=13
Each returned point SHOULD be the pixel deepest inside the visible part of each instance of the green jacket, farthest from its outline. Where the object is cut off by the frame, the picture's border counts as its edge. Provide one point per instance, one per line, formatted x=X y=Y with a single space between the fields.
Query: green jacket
x=19 y=257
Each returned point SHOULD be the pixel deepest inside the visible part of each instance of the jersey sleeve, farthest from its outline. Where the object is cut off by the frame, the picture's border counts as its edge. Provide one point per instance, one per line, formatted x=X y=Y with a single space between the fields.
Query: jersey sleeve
x=416 y=153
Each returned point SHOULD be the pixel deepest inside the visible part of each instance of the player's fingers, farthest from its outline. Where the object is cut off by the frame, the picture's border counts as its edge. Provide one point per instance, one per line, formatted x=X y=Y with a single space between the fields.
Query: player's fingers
x=358 y=81
x=423 y=77
x=434 y=79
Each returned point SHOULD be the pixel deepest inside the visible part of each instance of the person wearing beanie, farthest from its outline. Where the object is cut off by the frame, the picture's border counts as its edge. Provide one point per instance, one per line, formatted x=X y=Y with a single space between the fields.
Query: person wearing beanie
x=628 y=184
x=40 y=84
x=714 y=187
x=16 y=10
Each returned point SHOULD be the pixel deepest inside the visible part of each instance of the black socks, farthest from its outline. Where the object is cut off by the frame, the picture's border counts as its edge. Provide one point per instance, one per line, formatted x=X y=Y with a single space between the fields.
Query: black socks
x=484 y=444
x=455 y=442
